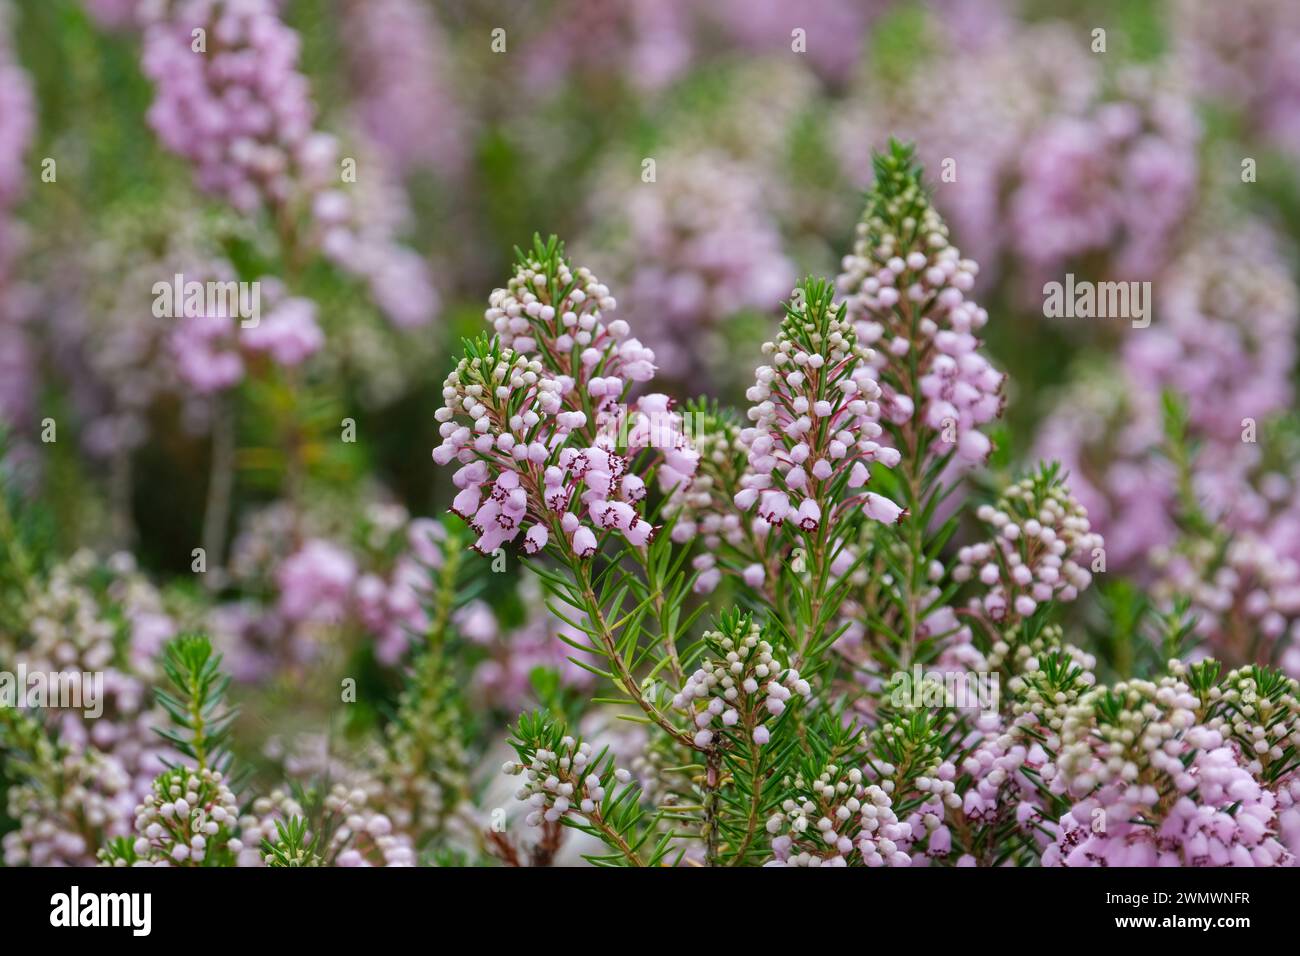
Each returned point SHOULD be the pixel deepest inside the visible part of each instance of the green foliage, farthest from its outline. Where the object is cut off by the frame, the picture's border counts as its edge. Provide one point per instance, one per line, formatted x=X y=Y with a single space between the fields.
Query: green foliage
x=196 y=702
x=547 y=752
x=293 y=847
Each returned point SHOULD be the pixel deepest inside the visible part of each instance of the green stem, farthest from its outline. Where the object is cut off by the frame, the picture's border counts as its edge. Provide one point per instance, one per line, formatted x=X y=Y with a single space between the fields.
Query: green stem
x=712 y=780
x=622 y=676
x=615 y=839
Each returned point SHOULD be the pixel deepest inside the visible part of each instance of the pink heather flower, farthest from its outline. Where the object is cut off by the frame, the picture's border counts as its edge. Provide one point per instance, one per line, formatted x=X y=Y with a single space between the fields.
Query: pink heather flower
x=242 y=113
x=206 y=354
x=536 y=539
x=959 y=388
x=1041 y=548
x=316 y=582
x=584 y=543
x=880 y=508
x=403 y=78
x=698 y=247
x=538 y=432
x=1245 y=61
x=289 y=334
x=814 y=416
x=1121 y=178
x=646 y=43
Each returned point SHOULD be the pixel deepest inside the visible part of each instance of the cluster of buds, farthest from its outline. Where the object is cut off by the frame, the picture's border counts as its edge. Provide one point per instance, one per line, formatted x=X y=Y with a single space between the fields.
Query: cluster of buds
x=1049 y=678
x=832 y=815
x=66 y=621
x=1041 y=548
x=1229 y=821
x=189 y=819
x=1242 y=594
x=556 y=313
x=998 y=769
x=547 y=306
x=239 y=110
x=516 y=469
x=1256 y=707
x=909 y=744
x=905 y=291
x=735 y=693
x=363 y=820
x=73 y=799
x=259 y=823
x=703 y=507
x=566 y=780
x=527 y=417
x=365 y=837
x=1007 y=758
x=1181 y=771
x=815 y=430
x=232 y=101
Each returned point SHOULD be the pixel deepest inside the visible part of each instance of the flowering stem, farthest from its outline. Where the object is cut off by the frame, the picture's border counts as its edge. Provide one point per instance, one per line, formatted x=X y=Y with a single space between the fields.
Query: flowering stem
x=614 y=838
x=755 y=793
x=712 y=780
x=197 y=723
x=622 y=676
x=657 y=599
x=820 y=567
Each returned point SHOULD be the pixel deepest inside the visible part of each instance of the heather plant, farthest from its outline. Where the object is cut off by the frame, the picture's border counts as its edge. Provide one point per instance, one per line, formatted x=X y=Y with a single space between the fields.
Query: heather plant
x=892 y=565
x=785 y=733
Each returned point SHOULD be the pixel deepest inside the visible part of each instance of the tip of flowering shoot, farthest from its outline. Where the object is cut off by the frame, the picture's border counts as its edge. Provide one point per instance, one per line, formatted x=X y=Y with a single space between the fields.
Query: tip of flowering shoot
x=896 y=170
x=552 y=306
x=898 y=195
x=897 y=156
x=190 y=654
x=813 y=320
x=544 y=256
x=481 y=353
